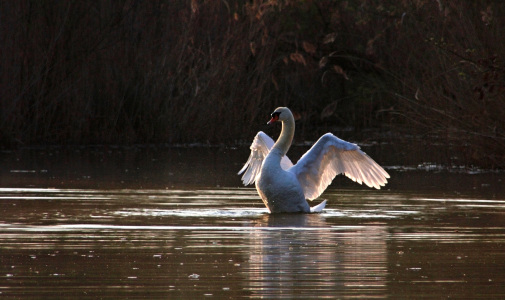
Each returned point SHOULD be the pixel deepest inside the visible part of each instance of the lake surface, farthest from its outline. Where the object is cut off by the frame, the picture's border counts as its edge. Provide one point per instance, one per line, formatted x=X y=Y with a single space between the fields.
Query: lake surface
x=174 y=223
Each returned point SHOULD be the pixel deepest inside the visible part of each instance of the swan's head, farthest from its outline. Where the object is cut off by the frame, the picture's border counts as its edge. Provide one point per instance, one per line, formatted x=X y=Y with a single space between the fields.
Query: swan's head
x=280 y=114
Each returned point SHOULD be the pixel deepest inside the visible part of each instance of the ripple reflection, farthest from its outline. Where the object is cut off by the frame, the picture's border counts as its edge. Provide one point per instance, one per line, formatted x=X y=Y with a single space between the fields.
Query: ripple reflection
x=292 y=263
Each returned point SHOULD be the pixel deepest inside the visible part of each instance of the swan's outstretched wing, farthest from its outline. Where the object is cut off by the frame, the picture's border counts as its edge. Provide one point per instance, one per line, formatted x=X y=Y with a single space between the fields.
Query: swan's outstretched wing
x=260 y=147
x=331 y=156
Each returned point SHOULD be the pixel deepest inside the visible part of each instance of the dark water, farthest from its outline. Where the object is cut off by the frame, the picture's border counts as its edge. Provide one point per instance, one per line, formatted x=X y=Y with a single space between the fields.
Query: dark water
x=175 y=224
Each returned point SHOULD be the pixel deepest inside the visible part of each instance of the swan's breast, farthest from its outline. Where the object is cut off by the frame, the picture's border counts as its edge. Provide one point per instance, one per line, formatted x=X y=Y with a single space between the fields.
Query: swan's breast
x=276 y=183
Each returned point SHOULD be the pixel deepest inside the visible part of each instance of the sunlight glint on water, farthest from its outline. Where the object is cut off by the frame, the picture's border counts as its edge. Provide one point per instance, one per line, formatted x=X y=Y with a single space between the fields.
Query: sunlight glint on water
x=185 y=242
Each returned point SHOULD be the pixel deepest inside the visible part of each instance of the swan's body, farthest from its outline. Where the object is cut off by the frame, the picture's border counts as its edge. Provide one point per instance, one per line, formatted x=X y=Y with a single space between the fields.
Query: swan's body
x=284 y=187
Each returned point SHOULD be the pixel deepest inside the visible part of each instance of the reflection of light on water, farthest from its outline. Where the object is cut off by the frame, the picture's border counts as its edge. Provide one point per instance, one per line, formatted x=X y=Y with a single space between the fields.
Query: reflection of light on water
x=54 y=197
x=188 y=212
x=466 y=203
x=112 y=227
x=248 y=212
x=449 y=200
x=451 y=235
x=368 y=213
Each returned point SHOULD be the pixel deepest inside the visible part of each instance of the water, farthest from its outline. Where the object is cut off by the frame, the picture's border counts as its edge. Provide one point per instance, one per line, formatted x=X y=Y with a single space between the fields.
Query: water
x=175 y=223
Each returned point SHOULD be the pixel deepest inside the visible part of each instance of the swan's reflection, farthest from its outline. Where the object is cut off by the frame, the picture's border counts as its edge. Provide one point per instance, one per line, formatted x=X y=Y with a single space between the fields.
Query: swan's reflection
x=301 y=255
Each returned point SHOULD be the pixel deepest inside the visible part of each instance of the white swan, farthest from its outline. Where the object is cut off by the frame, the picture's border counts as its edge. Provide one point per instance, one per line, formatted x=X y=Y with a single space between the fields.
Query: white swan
x=284 y=187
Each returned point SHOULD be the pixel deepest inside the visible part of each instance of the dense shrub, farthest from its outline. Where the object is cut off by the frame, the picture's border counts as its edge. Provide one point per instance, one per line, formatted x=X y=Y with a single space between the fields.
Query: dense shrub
x=211 y=71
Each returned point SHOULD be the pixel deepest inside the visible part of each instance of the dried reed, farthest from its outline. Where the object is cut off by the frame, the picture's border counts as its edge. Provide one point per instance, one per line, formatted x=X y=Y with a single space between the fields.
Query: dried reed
x=77 y=72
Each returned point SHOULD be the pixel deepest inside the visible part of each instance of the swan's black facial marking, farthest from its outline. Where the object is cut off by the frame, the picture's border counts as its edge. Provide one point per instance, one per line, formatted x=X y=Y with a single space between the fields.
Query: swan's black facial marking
x=275 y=117
x=275 y=114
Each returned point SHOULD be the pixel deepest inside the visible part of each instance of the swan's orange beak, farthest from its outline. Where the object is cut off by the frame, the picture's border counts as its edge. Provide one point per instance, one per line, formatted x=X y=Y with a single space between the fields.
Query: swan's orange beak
x=274 y=119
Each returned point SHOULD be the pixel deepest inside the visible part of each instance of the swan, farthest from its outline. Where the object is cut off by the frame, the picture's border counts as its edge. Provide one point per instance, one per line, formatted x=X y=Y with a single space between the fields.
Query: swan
x=284 y=187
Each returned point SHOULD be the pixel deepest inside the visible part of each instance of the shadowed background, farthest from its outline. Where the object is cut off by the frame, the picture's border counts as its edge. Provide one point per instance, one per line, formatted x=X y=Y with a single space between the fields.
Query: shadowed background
x=421 y=74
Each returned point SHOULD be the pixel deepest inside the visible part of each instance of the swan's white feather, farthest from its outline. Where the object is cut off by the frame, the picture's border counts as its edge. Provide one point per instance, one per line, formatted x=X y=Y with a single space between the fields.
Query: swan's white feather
x=318 y=208
x=260 y=147
x=331 y=156
x=284 y=187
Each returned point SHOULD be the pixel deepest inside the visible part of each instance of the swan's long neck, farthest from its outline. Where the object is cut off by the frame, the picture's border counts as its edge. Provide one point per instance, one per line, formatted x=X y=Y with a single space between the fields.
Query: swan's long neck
x=286 y=138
